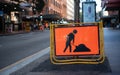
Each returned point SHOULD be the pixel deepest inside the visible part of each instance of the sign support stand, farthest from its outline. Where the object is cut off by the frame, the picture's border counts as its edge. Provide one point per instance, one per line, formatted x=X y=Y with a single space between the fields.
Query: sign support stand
x=73 y=59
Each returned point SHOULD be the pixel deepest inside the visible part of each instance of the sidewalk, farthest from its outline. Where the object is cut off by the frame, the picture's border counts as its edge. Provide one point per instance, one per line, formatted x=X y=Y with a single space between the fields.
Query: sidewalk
x=17 y=32
x=12 y=33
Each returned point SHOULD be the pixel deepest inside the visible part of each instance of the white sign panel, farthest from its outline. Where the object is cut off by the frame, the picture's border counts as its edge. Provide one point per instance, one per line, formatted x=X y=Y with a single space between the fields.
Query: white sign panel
x=89 y=11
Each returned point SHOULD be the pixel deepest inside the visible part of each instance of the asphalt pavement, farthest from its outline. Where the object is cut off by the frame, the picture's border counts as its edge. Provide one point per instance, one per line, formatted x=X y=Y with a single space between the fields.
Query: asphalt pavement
x=17 y=46
x=111 y=65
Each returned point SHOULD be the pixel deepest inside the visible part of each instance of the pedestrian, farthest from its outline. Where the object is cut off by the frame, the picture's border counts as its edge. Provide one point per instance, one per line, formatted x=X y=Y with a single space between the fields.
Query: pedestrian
x=70 y=39
x=41 y=27
x=31 y=25
x=46 y=25
x=113 y=23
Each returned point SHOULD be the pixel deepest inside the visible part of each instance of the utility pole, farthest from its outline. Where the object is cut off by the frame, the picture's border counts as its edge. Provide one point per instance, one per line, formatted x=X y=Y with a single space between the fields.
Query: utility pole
x=76 y=11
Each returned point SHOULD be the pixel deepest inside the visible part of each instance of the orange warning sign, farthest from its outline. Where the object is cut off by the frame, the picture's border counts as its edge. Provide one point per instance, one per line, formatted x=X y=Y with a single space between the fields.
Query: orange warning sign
x=80 y=40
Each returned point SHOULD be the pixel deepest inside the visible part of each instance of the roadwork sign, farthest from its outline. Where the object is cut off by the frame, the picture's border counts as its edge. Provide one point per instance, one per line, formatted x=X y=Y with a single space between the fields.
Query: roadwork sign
x=77 y=43
x=80 y=40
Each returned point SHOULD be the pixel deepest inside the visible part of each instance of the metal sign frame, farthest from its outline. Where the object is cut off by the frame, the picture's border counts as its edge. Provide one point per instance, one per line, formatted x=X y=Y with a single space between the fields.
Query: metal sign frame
x=92 y=59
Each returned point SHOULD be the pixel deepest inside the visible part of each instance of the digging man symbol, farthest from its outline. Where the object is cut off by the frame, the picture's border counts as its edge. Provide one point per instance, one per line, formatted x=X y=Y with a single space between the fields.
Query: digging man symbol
x=70 y=39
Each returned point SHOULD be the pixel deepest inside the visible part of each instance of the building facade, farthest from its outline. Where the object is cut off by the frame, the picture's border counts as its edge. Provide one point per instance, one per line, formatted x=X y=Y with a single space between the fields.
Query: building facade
x=113 y=8
x=20 y=11
x=70 y=10
x=54 y=7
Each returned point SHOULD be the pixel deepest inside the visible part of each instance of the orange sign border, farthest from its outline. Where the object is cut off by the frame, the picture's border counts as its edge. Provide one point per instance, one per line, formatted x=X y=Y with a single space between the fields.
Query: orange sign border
x=78 y=54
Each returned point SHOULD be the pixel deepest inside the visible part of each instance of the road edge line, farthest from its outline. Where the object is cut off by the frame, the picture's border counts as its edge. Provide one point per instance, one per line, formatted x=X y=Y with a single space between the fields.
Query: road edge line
x=23 y=62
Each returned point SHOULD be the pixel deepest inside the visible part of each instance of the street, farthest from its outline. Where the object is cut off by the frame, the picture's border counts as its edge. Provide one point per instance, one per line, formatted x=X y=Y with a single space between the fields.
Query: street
x=111 y=65
x=23 y=45
x=112 y=48
x=27 y=47
x=16 y=47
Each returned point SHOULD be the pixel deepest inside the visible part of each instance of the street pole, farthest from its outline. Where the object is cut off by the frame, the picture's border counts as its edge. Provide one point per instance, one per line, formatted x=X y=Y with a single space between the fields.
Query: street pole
x=41 y=18
x=77 y=11
x=2 y=22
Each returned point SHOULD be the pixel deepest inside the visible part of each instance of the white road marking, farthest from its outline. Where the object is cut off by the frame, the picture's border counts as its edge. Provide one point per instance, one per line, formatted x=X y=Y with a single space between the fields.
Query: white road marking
x=20 y=64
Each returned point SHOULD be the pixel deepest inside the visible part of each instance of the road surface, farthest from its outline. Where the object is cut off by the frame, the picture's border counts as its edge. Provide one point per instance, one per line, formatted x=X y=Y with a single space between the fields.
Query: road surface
x=16 y=47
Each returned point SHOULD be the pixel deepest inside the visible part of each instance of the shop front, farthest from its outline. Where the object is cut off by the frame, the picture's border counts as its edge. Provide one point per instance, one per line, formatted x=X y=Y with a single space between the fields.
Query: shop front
x=16 y=21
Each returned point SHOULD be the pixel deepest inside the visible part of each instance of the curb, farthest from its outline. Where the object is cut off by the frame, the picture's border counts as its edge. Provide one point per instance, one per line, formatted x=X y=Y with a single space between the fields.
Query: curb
x=7 y=34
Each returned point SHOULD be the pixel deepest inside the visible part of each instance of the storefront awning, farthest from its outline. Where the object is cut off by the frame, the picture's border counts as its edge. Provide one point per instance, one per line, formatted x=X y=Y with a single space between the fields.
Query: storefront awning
x=109 y=17
x=113 y=5
x=51 y=17
x=25 y=5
